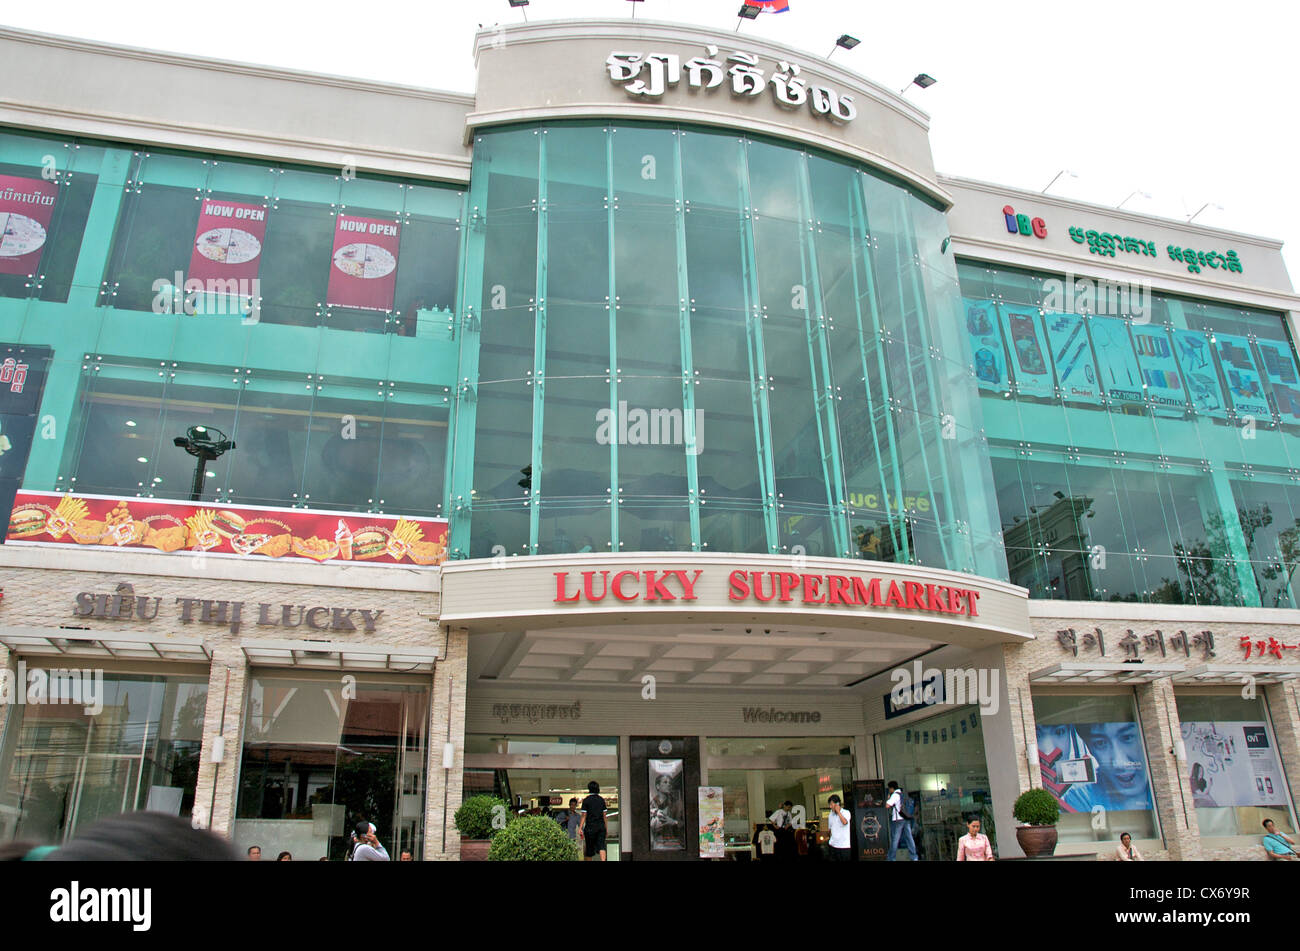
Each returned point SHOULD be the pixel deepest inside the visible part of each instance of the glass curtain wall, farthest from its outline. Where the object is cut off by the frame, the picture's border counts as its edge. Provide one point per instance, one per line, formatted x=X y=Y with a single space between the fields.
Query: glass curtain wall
x=337 y=395
x=688 y=340
x=1145 y=448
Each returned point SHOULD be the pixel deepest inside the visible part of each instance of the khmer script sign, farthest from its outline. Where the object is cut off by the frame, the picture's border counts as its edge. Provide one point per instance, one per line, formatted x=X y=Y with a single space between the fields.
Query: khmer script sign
x=649 y=75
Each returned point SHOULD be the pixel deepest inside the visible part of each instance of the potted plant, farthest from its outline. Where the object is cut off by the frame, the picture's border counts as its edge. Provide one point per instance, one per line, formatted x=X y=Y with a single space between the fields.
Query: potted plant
x=533 y=839
x=477 y=820
x=1039 y=810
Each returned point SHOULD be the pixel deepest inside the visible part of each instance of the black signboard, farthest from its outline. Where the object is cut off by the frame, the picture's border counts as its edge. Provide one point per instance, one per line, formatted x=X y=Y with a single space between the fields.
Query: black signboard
x=870 y=820
x=22 y=381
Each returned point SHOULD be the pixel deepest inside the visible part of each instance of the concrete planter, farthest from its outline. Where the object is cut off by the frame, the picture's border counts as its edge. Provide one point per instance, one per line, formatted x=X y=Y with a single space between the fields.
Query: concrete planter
x=474 y=850
x=1036 y=840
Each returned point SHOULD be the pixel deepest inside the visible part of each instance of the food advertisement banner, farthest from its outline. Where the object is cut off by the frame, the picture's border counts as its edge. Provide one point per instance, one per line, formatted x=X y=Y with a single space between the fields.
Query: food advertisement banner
x=1160 y=373
x=363 y=272
x=228 y=243
x=22 y=381
x=1120 y=374
x=53 y=518
x=1232 y=763
x=1279 y=366
x=26 y=207
x=1073 y=357
x=1085 y=765
x=713 y=842
x=1029 y=358
x=1244 y=385
x=986 y=346
x=1203 y=389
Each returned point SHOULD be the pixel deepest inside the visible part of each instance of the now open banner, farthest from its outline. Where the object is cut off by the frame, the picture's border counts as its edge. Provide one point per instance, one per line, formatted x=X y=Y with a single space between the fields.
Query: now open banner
x=26 y=207
x=227 y=242
x=363 y=269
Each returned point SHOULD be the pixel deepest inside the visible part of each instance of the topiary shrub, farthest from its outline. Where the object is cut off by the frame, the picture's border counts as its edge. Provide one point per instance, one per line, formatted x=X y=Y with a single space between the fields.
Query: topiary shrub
x=474 y=817
x=533 y=839
x=1037 y=807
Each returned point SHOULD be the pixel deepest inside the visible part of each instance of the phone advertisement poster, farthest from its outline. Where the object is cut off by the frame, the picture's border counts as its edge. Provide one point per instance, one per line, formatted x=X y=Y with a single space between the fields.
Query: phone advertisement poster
x=986 y=346
x=1120 y=373
x=1085 y=765
x=1072 y=355
x=1195 y=358
x=1029 y=357
x=1232 y=763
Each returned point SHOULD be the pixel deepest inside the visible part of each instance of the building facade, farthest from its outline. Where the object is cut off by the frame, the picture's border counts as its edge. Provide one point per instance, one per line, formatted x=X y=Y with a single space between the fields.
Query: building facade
x=655 y=415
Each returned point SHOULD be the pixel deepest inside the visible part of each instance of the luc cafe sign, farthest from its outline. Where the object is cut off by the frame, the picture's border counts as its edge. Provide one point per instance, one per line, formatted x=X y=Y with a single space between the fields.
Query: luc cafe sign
x=649 y=75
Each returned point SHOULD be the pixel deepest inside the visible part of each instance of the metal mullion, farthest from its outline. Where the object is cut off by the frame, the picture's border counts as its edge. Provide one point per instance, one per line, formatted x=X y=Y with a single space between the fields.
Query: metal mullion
x=901 y=539
x=757 y=356
x=684 y=338
x=828 y=432
x=534 y=502
x=610 y=306
x=453 y=405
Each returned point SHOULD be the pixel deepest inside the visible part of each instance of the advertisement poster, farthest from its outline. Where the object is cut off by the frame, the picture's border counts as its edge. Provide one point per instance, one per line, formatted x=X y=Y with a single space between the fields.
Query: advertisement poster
x=1160 y=370
x=1203 y=390
x=1245 y=388
x=986 y=346
x=363 y=271
x=26 y=207
x=1120 y=374
x=1232 y=763
x=227 y=245
x=872 y=819
x=667 y=805
x=22 y=380
x=1073 y=358
x=1279 y=366
x=713 y=843
x=1029 y=358
x=53 y=518
x=1085 y=765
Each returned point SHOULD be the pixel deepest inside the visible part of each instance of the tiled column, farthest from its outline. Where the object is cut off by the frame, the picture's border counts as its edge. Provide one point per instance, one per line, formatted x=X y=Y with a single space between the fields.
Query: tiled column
x=216 y=789
x=1160 y=729
x=1282 y=702
x=446 y=719
x=1024 y=728
x=1011 y=774
x=8 y=661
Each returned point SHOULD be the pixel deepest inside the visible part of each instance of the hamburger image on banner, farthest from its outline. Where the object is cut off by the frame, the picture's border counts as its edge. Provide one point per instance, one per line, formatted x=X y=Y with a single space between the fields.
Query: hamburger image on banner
x=363 y=270
x=26 y=207
x=227 y=244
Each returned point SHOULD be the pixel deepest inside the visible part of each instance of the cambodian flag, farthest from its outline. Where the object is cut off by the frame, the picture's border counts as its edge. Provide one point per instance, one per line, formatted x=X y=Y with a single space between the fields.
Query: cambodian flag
x=772 y=6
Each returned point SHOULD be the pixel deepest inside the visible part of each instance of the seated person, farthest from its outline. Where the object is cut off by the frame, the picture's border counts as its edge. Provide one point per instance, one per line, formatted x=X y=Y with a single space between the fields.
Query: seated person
x=1277 y=845
x=1125 y=851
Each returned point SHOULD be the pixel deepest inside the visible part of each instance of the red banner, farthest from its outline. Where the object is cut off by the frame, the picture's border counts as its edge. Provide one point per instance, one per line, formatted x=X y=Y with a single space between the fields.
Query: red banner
x=228 y=243
x=363 y=273
x=52 y=518
x=26 y=207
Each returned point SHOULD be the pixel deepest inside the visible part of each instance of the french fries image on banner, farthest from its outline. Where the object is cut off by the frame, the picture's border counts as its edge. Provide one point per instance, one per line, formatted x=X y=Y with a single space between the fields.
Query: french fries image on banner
x=67 y=513
x=403 y=536
x=201 y=531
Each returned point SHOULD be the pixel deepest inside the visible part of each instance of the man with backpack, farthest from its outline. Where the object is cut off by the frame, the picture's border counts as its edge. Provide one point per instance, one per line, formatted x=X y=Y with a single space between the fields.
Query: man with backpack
x=900 y=822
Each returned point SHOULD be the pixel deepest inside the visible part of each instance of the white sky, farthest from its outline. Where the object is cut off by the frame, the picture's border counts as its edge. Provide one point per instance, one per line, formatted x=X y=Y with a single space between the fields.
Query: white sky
x=1192 y=102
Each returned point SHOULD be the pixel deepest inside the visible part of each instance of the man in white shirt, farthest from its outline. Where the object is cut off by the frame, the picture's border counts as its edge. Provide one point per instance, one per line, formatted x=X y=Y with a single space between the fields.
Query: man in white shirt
x=838 y=821
x=899 y=826
x=783 y=817
x=368 y=847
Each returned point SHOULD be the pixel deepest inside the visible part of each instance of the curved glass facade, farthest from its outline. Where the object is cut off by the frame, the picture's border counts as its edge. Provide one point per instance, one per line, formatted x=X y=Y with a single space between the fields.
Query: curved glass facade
x=677 y=339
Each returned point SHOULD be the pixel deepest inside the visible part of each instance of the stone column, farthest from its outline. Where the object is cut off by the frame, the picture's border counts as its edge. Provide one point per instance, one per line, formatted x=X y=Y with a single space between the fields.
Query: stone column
x=446 y=721
x=9 y=662
x=1003 y=727
x=1283 y=708
x=217 y=788
x=1161 y=729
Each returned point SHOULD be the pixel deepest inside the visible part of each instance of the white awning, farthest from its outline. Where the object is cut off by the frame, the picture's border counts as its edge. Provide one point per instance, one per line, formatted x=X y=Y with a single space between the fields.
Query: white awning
x=1236 y=674
x=1083 y=672
x=331 y=655
x=118 y=645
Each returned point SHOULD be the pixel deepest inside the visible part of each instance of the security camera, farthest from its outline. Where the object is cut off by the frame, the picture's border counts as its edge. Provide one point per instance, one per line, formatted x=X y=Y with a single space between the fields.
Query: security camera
x=767 y=631
x=749 y=630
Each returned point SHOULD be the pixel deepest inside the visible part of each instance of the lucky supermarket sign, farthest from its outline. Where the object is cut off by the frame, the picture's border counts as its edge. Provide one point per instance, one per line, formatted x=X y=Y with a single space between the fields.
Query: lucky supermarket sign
x=764 y=586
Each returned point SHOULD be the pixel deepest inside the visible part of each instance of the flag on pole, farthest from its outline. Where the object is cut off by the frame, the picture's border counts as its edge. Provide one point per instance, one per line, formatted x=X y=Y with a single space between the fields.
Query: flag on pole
x=772 y=6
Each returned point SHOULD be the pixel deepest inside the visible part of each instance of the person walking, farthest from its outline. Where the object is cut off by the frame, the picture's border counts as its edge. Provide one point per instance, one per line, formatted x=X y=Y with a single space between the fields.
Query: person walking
x=974 y=846
x=573 y=820
x=1125 y=851
x=592 y=828
x=840 y=831
x=900 y=826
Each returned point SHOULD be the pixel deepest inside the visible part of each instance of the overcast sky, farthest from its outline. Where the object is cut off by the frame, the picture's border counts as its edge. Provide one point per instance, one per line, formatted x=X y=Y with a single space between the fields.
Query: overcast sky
x=1191 y=102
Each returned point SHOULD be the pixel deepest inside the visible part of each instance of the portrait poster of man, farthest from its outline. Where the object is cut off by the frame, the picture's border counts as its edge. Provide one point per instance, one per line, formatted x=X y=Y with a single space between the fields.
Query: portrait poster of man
x=667 y=805
x=1085 y=765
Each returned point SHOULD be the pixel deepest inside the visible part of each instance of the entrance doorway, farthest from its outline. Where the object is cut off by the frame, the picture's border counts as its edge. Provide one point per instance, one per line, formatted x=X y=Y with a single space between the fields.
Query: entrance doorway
x=664 y=806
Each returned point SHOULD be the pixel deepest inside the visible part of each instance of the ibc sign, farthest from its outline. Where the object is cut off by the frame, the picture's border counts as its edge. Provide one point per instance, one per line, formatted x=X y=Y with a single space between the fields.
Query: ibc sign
x=1022 y=224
